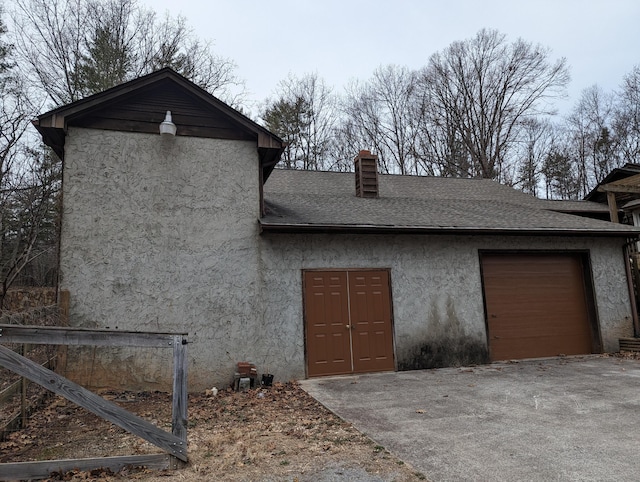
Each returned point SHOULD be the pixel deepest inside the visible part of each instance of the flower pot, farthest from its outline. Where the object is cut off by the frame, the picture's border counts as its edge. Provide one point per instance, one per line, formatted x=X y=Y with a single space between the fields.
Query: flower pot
x=267 y=379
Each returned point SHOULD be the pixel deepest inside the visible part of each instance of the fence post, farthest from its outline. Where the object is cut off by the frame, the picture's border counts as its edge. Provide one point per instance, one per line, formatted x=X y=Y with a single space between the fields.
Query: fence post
x=23 y=393
x=180 y=400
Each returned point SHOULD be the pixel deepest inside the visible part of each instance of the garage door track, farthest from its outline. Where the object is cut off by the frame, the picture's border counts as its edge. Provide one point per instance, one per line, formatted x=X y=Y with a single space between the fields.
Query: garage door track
x=565 y=419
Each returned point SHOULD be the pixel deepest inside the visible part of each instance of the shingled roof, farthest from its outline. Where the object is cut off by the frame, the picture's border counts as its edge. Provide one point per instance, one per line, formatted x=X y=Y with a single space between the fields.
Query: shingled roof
x=311 y=201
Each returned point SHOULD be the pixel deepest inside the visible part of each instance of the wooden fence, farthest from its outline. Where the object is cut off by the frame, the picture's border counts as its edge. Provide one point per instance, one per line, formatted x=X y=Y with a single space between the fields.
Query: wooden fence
x=18 y=419
x=174 y=444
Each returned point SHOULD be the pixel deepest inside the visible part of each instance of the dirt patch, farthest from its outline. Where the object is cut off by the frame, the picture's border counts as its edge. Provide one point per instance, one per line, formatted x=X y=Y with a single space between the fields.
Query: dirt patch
x=276 y=433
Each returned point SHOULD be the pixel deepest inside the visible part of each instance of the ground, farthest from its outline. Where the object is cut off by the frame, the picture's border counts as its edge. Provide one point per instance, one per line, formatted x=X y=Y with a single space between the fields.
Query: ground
x=278 y=433
x=274 y=433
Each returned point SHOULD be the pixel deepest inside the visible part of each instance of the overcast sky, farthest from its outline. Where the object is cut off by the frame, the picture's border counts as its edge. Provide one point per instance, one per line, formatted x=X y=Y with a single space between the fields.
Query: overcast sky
x=348 y=39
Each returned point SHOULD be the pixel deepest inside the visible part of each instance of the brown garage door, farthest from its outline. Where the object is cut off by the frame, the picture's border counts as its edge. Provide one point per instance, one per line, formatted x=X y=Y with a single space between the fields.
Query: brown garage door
x=536 y=305
x=348 y=322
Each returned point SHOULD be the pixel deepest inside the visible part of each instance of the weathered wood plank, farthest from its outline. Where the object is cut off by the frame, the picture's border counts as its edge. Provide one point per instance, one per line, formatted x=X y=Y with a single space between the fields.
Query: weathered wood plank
x=94 y=403
x=60 y=335
x=613 y=206
x=629 y=344
x=42 y=470
x=613 y=187
x=179 y=409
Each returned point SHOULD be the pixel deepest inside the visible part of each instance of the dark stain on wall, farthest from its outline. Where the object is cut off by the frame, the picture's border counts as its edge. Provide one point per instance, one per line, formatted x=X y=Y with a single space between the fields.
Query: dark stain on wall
x=444 y=353
x=443 y=343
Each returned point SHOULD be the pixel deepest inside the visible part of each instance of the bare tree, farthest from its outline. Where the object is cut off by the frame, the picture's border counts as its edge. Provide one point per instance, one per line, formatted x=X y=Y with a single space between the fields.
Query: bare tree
x=303 y=114
x=28 y=217
x=590 y=137
x=537 y=140
x=381 y=115
x=560 y=174
x=27 y=183
x=483 y=88
x=626 y=123
x=441 y=149
x=73 y=48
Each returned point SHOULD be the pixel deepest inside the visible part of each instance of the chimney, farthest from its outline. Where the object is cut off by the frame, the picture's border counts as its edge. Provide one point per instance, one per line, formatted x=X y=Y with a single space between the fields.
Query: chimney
x=366 y=174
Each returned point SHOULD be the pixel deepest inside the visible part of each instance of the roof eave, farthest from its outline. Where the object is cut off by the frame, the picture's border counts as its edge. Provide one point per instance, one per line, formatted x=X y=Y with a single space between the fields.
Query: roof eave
x=52 y=125
x=267 y=227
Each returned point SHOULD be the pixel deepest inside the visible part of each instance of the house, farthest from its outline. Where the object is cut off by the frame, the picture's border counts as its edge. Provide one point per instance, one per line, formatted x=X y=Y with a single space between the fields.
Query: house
x=307 y=273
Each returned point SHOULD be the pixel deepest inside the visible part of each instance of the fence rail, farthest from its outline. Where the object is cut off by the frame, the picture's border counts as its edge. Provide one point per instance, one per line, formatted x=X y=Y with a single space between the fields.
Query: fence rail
x=174 y=443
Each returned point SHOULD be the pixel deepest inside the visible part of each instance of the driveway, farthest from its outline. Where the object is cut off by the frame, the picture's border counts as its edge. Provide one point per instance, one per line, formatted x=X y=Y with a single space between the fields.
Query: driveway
x=564 y=419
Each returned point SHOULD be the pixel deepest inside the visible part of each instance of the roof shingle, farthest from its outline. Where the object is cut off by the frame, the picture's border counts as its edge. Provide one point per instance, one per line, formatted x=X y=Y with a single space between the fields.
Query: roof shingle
x=325 y=201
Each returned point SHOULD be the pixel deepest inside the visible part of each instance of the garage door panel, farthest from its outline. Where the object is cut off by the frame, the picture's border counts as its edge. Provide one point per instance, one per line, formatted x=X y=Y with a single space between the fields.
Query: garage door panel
x=521 y=330
x=519 y=348
x=536 y=305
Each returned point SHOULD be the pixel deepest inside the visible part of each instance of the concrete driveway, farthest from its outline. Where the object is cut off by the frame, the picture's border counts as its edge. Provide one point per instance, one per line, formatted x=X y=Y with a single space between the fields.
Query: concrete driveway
x=564 y=419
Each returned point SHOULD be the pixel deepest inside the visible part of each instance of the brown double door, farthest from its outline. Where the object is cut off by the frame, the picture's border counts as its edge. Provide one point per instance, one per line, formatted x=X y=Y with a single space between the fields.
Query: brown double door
x=537 y=305
x=348 y=322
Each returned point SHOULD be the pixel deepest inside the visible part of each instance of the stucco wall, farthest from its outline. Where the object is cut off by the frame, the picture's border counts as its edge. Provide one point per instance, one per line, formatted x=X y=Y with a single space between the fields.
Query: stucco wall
x=162 y=235
x=436 y=288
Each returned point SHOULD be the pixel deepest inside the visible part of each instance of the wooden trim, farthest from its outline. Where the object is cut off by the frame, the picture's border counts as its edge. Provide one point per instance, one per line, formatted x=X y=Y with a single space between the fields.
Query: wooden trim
x=92 y=402
x=60 y=335
x=33 y=470
x=620 y=189
x=53 y=124
x=270 y=227
x=629 y=185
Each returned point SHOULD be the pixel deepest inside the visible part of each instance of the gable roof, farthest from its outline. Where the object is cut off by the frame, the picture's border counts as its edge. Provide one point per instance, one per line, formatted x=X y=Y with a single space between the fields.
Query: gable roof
x=308 y=201
x=140 y=106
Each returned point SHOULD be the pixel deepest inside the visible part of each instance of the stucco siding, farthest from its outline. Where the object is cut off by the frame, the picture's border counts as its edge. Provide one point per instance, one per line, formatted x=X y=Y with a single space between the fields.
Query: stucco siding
x=161 y=234
x=436 y=287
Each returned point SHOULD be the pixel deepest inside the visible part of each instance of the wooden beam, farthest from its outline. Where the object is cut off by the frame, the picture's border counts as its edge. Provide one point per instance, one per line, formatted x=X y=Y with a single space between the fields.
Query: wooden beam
x=613 y=206
x=267 y=141
x=60 y=335
x=619 y=188
x=44 y=469
x=103 y=408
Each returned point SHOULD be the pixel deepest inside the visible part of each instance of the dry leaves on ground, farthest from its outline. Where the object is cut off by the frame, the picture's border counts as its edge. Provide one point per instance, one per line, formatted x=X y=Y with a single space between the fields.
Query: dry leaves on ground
x=275 y=433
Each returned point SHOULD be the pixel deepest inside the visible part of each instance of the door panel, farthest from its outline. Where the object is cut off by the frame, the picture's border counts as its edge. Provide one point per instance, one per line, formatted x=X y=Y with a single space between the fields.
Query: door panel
x=327 y=316
x=371 y=320
x=348 y=322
